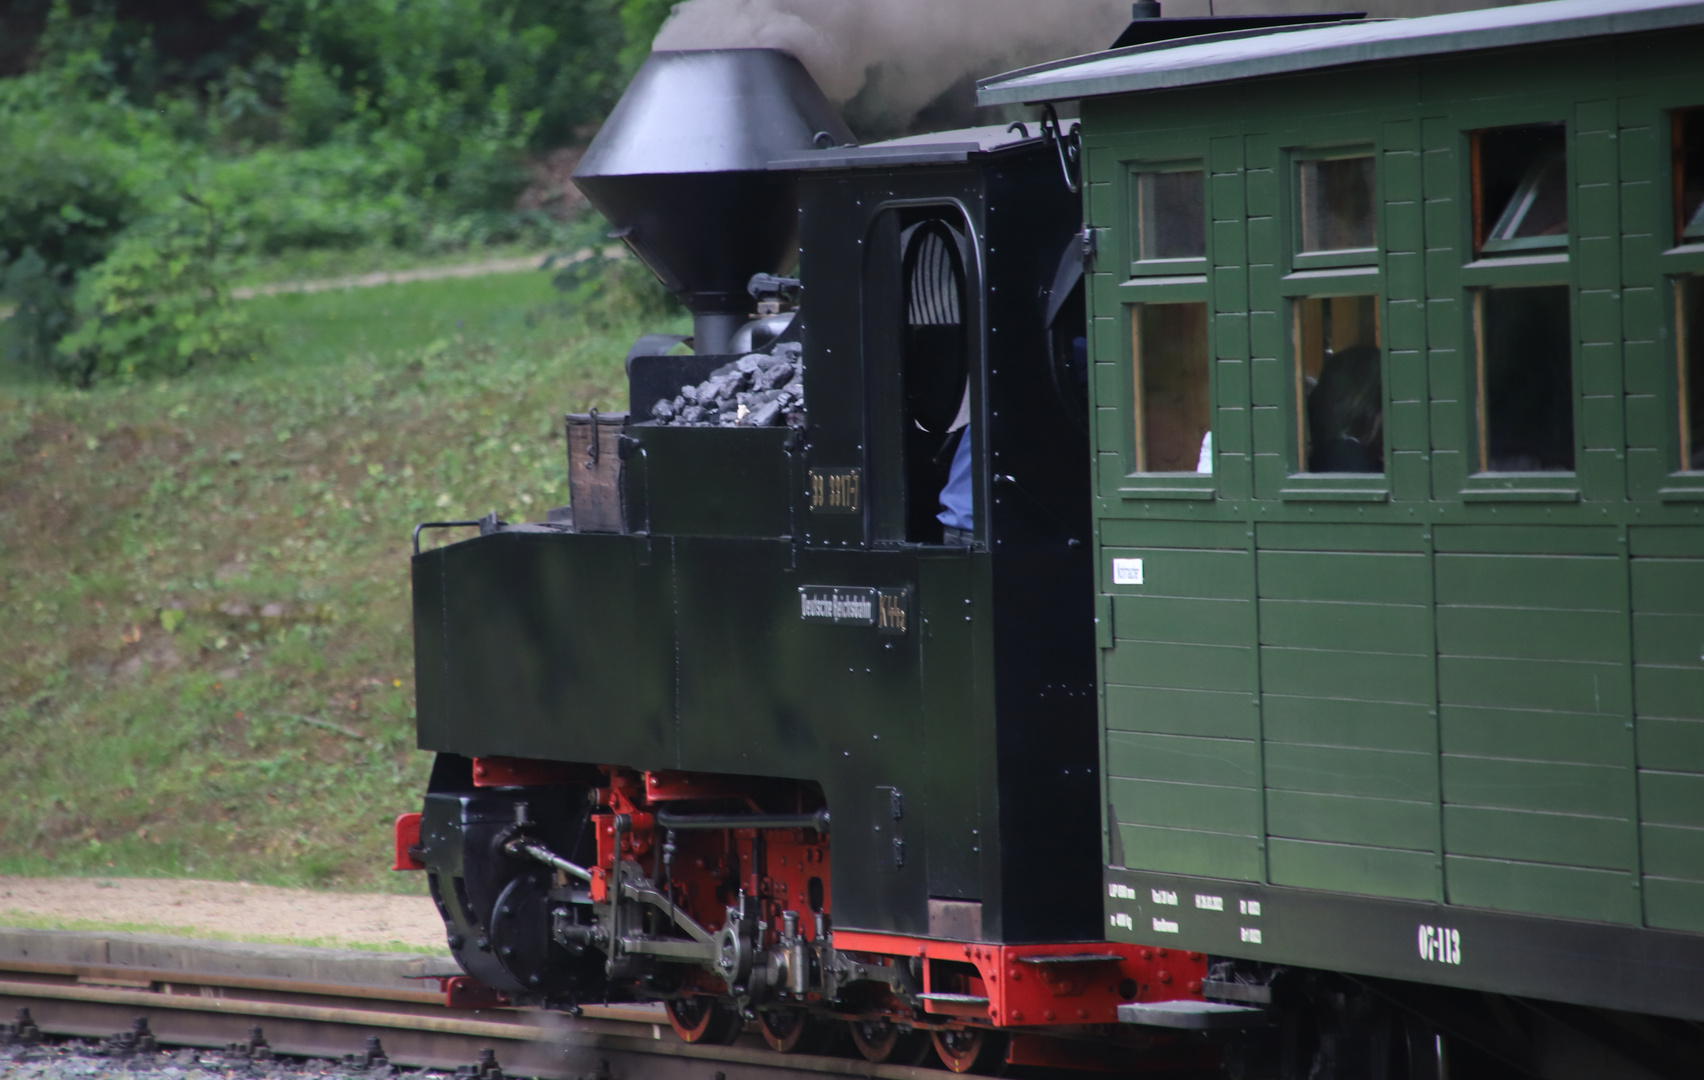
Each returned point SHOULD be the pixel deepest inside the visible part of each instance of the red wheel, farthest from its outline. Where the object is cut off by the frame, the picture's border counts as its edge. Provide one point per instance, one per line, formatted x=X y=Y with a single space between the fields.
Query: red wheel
x=792 y=1031
x=884 y=1041
x=702 y=1019
x=971 y=1050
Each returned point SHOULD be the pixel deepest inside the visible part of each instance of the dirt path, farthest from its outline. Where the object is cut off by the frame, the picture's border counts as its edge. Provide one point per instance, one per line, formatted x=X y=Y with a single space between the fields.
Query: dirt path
x=220 y=909
x=516 y=265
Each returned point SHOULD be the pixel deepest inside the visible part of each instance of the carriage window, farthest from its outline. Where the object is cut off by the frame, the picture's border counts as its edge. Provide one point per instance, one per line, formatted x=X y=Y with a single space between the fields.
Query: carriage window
x=1690 y=306
x=1339 y=385
x=1689 y=175
x=1336 y=201
x=1520 y=188
x=1171 y=215
x=1526 y=379
x=1172 y=407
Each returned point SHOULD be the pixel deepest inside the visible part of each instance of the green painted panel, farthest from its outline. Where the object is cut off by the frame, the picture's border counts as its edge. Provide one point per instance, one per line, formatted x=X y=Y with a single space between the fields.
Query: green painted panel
x=1668 y=640
x=1186 y=851
x=1569 y=686
x=1556 y=581
x=1541 y=540
x=1174 y=534
x=1180 y=667
x=1344 y=868
x=1345 y=819
x=1353 y=537
x=1185 y=759
x=1380 y=578
x=1267 y=377
x=1551 y=635
x=1223 y=575
x=1670 y=851
x=1562 y=788
x=1211 y=713
x=1671 y=744
x=1336 y=770
x=1109 y=434
x=1370 y=725
x=1565 y=891
x=1361 y=627
x=1668 y=585
x=1671 y=798
x=1357 y=675
x=1167 y=618
x=1569 y=839
x=1656 y=540
x=1184 y=806
x=1581 y=738
x=1666 y=691
x=1674 y=905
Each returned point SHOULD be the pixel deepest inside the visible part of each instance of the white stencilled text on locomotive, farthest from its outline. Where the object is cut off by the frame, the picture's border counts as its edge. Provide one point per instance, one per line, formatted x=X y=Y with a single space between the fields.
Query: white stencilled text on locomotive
x=1440 y=944
x=1164 y=896
x=1120 y=892
x=1122 y=921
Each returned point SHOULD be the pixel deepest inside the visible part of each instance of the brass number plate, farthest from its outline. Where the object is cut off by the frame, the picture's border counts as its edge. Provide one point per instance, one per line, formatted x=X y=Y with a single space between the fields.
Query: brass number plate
x=836 y=491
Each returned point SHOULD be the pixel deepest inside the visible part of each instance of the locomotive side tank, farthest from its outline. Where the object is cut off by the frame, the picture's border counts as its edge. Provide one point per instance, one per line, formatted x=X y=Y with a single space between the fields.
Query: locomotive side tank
x=1399 y=556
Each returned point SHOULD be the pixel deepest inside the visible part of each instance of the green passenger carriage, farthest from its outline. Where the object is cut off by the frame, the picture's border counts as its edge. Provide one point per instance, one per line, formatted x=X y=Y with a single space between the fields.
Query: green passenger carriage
x=1398 y=383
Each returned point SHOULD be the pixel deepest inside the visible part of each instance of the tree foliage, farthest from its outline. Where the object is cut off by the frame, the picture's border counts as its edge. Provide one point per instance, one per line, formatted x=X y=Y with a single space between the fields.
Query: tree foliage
x=307 y=123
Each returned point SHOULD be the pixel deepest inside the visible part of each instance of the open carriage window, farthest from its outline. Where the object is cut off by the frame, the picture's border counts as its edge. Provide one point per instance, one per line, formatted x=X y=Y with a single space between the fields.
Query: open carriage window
x=1336 y=204
x=1526 y=379
x=1171 y=215
x=1520 y=188
x=1689 y=304
x=1172 y=396
x=1689 y=175
x=1339 y=385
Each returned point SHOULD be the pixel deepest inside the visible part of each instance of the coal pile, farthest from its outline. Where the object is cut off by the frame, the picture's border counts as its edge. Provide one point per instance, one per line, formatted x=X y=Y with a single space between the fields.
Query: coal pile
x=757 y=390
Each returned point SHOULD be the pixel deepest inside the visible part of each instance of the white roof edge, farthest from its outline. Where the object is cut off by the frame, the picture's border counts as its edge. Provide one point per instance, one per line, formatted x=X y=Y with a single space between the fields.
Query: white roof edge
x=1213 y=60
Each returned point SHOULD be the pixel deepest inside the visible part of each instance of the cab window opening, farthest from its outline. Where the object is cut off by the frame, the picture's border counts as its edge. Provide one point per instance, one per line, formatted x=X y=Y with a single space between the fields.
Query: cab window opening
x=1339 y=385
x=1520 y=188
x=1336 y=204
x=1526 y=379
x=1172 y=406
x=936 y=373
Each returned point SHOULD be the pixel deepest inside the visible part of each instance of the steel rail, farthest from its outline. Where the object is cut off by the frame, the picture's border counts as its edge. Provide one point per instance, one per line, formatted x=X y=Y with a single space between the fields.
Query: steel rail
x=189 y=1009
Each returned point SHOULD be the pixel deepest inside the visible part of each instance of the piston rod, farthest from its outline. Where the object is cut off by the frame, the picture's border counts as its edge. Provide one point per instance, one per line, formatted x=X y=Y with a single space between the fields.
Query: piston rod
x=525 y=847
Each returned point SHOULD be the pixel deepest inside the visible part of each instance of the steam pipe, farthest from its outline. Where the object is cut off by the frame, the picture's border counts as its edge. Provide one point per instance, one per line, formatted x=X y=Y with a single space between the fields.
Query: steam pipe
x=817 y=820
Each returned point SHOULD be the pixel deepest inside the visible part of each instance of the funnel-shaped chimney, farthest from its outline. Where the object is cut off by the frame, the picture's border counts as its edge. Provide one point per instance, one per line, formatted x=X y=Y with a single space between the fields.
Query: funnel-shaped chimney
x=680 y=169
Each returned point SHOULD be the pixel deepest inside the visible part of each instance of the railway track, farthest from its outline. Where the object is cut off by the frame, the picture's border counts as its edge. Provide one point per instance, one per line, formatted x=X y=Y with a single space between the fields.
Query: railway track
x=328 y=1004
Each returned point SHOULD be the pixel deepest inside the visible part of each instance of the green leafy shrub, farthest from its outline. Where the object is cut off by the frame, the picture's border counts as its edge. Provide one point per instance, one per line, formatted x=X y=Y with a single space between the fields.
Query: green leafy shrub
x=606 y=285
x=157 y=305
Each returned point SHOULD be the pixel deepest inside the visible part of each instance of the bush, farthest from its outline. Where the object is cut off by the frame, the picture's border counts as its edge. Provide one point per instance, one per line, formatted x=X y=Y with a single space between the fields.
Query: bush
x=606 y=284
x=157 y=305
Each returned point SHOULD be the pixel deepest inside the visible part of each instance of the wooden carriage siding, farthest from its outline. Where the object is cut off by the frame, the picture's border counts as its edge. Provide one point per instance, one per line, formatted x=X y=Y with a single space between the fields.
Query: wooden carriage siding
x=1434 y=683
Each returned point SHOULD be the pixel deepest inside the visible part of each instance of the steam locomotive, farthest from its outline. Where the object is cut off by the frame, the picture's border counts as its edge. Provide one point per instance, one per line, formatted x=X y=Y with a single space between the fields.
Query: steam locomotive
x=756 y=729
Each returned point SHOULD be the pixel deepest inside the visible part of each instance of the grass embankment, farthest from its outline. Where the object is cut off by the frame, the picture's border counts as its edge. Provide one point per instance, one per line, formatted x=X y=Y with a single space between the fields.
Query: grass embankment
x=208 y=664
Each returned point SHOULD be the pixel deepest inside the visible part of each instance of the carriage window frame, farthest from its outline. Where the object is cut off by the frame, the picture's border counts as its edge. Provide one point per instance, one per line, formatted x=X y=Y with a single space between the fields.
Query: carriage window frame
x=1186 y=265
x=1487 y=248
x=1687 y=228
x=1679 y=265
x=1133 y=294
x=1301 y=259
x=1299 y=485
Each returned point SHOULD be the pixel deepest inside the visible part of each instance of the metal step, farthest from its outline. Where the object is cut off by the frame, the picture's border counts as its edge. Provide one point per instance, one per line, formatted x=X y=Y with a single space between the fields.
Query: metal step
x=1194 y=1015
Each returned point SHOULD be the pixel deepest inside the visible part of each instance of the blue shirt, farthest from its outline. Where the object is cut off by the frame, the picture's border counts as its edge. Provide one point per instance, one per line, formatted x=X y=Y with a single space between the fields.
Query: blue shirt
x=955 y=497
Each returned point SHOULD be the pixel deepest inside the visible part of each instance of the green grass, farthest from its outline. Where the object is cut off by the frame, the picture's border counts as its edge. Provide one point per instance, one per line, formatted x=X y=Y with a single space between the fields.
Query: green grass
x=316 y=263
x=208 y=663
x=20 y=920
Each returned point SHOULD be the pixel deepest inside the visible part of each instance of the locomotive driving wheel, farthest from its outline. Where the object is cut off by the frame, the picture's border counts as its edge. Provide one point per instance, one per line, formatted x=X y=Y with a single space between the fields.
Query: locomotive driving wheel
x=884 y=1041
x=971 y=1050
x=793 y=1031
x=703 y=1019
